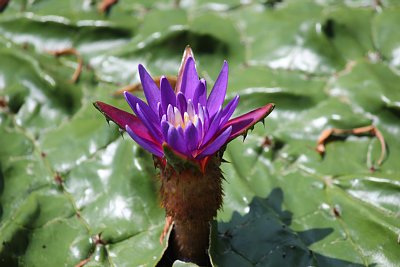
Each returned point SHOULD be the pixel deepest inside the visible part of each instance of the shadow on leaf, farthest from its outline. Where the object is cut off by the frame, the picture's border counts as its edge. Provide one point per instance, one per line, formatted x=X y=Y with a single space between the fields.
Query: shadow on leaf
x=263 y=237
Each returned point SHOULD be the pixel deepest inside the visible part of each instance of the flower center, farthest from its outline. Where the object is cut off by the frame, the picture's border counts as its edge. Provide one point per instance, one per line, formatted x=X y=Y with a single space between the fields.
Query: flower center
x=182 y=117
x=176 y=119
x=187 y=118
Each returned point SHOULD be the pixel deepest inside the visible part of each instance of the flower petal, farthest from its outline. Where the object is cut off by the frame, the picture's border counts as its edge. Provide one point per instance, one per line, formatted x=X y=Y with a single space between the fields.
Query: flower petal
x=203 y=116
x=153 y=127
x=191 y=137
x=181 y=102
x=214 y=127
x=186 y=55
x=122 y=118
x=176 y=141
x=133 y=100
x=153 y=148
x=160 y=111
x=217 y=95
x=164 y=129
x=145 y=114
x=150 y=88
x=190 y=79
x=242 y=123
x=228 y=110
x=167 y=94
x=199 y=127
x=216 y=144
x=200 y=95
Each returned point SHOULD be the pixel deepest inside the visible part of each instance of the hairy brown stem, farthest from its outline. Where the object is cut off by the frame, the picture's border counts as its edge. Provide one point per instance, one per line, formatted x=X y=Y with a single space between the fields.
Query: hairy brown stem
x=192 y=198
x=191 y=241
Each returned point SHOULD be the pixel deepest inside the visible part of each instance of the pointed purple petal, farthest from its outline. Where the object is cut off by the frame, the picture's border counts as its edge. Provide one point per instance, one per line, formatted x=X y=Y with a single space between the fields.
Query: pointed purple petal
x=203 y=116
x=217 y=95
x=181 y=102
x=122 y=118
x=216 y=144
x=145 y=114
x=152 y=126
x=146 y=144
x=150 y=88
x=228 y=110
x=133 y=100
x=160 y=111
x=191 y=137
x=167 y=94
x=200 y=95
x=164 y=129
x=188 y=53
x=199 y=127
x=176 y=141
x=190 y=79
x=214 y=127
x=242 y=123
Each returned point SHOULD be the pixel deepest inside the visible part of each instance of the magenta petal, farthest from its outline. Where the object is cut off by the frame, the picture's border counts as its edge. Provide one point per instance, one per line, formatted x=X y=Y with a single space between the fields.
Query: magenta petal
x=228 y=110
x=150 y=88
x=167 y=94
x=153 y=148
x=242 y=123
x=190 y=79
x=216 y=144
x=217 y=95
x=122 y=118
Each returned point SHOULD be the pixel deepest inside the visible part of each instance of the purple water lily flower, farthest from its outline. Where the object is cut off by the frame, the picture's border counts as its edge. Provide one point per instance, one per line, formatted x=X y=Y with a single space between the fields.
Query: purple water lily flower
x=185 y=119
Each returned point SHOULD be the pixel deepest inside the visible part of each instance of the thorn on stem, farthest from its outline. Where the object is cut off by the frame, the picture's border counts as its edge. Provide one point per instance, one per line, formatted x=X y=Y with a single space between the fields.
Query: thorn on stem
x=58 y=179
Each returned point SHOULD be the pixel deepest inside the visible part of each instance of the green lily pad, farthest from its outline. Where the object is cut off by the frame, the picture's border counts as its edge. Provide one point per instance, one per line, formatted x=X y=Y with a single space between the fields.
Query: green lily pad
x=74 y=191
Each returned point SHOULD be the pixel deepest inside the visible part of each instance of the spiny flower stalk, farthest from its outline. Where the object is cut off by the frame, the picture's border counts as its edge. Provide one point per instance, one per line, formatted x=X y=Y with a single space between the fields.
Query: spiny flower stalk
x=187 y=133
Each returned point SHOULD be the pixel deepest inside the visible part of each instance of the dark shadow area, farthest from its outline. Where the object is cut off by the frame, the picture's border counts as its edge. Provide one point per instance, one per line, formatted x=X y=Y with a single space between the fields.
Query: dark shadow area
x=169 y=256
x=202 y=44
x=271 y=3
x=328 y=28
x=263 y=237
x=14 y=238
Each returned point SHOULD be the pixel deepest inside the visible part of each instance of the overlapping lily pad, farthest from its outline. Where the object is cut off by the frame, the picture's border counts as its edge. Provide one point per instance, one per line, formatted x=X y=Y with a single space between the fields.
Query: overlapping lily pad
x=72 y=190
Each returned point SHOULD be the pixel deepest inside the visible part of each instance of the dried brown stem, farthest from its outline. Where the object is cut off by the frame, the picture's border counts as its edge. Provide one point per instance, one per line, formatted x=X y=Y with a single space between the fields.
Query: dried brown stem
x=371 y=129
x=70 y=51
x=138 y=86
x=106 y=5
x=129 y=88
x=83 y=262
